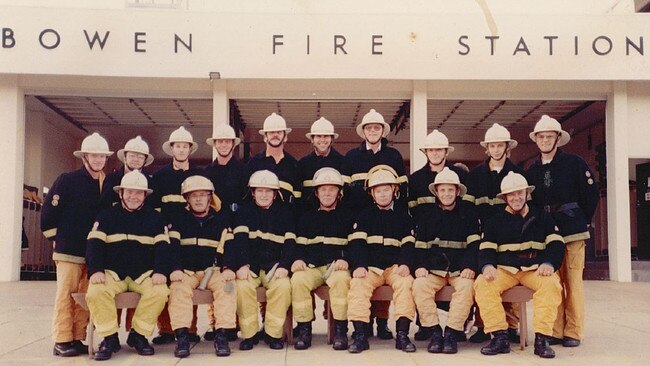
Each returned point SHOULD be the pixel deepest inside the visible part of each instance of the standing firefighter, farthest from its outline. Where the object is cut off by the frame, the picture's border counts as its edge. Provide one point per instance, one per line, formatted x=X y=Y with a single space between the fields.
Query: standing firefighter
x=68 y=214
x=264 y=238
x=197 y=239
x=128 y=250
x=321 y=257
x=521 y=245
x=381 y=247
x=566 y=189
x=446 y=246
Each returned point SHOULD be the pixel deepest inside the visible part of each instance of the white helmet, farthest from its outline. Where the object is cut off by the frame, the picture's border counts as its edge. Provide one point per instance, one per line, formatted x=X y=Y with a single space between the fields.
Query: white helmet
x=134 y=180
x=223 y=131
x=373 y=117
x=179 y=135
x=436 y=140
x=547 y=123
x=93 y=144
x=264 y=179
x=327 y=175
x=498 y=133
x=381 y=174
x=137 y=145
x=447 y=176
x=196 y=183
x=322 y=127
x=274 y=122
x=514 y=182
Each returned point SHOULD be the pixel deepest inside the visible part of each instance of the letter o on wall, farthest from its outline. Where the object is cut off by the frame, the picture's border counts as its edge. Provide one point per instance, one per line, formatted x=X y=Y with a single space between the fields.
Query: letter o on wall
x=46 y=35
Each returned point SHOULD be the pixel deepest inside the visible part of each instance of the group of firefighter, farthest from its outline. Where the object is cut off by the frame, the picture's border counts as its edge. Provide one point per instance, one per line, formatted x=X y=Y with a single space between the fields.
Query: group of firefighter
x=353 y=222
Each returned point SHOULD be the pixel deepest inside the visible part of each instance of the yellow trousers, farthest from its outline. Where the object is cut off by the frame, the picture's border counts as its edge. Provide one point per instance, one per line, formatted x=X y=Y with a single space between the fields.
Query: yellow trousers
x=304 y=282
x=101 y=302
x=546 y=299
x=361 y=290
x=181 y=303
x=571 y=312
x=278 y=300
x=70 y=320
x=424 y=294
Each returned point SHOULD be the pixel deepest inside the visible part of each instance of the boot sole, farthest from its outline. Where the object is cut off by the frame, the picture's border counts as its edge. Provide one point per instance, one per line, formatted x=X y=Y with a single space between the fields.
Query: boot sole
x=544 y=356
x=494 y=353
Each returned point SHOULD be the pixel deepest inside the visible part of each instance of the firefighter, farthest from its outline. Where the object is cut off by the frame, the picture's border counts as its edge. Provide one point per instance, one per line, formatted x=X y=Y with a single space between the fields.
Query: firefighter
x=198 y=237
x=446 y=245
x=128 y=250
x=436 y=148
x=521 y=245
x=135 y=156
x=230 y=178
x=276 y=159
x=321 y=136
x=68 y=214
x=566 y=188
x=265 y=239
x=167 y=198
x=373 y=151
x=381 y=247
x=483 y=185
x=321 y=258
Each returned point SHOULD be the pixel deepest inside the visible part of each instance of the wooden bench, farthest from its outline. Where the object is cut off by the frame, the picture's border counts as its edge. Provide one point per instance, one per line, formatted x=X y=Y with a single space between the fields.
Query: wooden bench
x=129 y=300
x=518 y=294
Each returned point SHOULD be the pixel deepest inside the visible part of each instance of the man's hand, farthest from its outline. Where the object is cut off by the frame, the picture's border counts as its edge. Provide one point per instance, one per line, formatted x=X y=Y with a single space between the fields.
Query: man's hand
x=158 y=279
x=490 y=272
x=176 y=276
x=360 y=273
x=280 y=273
x=340 y=265
x=403 y=270
x=421 y=272
x=545 y=269
x=228 y=275
x=298 y=265
x=98 y=278
x=243 y=273
x=467 y=273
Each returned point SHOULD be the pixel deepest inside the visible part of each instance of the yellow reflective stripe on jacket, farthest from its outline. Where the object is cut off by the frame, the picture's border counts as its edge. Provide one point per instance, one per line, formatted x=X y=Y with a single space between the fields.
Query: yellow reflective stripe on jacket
x=554 y=237
x=469 y=198
x=358 y=235
x=202 y=242
x=402 y=179
x=327 y=240
x=378 y=239
x=490 y=201
x=575 y=237
x=288 y=187
x=407 y=239
x=346 y=179
x=280 y=239
x=522 y=246
x=96 y=234
x=449 y=243
x=514 y=270
x=422 y=200
x=440 y=273
x=358 y=176
x=488 y=245
x=68 y=258
x=50 y=233
x=177 y=198
x=142 y=239
x=423 y=244
x=175 y=235
x=240 y=229
x=472 y=238
x=308 y=183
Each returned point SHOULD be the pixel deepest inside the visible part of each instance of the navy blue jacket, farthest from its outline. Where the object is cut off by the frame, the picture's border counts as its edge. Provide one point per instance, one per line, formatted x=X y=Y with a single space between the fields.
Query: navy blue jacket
x=307 y=166
x=166 y=185
x=420 y=197
x=286 y=170
x=230 y=182
x=323 y=236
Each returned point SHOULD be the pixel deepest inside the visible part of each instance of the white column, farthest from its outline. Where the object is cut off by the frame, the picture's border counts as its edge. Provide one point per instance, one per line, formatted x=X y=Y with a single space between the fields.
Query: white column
x=618 y=197
x=12 y=140
x=418 y=123
x=220 y=105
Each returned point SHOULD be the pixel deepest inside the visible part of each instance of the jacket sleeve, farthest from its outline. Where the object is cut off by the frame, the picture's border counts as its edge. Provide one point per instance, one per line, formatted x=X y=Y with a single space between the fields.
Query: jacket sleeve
x=588 y=193
x=163 y=259
x=421 y=250
x=407 y=245
x=95 y=246
x=302 y=236
x=53 y=207
x=175 y=249
x=289 y=246
x=231 y=258
x=487 y=253
x=240 y=242
x=554 y=252
x=470 y=260
x=357 y=246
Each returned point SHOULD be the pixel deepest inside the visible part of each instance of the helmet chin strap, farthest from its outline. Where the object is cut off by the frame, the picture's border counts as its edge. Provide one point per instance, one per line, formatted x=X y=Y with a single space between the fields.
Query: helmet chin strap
x=500 y=158
x=88 y=165
x=126 y=207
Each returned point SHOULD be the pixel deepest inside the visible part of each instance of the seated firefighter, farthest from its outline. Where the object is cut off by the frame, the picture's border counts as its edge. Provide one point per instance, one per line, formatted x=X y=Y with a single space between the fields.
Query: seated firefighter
x=264 y=239
x=127 y=250
x=197 y=240
x=447 y=240
x=381 y=246
x=521 y=245
x=321 y=258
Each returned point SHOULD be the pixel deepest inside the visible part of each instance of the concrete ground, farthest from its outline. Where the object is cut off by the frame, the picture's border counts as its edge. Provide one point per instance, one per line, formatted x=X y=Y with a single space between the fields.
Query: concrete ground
x=617 y=327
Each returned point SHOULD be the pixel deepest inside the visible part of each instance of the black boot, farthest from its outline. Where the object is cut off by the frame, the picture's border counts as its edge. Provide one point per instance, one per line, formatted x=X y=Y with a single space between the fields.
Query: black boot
x=359 y=338
x=542 y=349
x=370 y=328
x=248 y=343
x=450 y=343
x=65 y=349
x=109 y=345
x=402 y=340
x=303 y=336
x=513 y=336
x=221 y=346
x=231 y=334
x=274 y=343
x=479 y=336
x=570 y=342
x=436 y=344
x=140 y=343
x=163 y=338
x=498 y=344
x=193 y=337
x=423 y=333
x=340 y=342
x=209 y=335
x=182 y=343
x=82 y=348
x=382 y=329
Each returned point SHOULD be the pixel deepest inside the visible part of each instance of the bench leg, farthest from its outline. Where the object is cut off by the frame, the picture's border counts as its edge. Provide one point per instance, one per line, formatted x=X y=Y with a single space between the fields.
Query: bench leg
x=523 y=326
x=330 y=323
x=288 y=326
x=90 y=331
